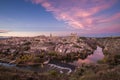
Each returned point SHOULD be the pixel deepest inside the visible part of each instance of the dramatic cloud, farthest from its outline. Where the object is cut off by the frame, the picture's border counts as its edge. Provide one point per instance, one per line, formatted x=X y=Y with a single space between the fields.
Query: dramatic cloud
x=112 y=29
x=80 y=14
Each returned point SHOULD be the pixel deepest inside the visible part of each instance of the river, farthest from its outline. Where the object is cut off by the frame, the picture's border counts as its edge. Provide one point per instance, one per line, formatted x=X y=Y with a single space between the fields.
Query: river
x=62 y=67
x=97 y=55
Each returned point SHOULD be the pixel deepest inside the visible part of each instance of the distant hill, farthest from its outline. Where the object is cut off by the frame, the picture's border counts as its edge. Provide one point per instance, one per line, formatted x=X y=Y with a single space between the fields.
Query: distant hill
x=3 y=37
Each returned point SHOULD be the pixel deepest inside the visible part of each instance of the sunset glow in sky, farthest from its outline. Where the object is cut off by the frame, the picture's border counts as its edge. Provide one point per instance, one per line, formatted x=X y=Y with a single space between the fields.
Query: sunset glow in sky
x=60 y=17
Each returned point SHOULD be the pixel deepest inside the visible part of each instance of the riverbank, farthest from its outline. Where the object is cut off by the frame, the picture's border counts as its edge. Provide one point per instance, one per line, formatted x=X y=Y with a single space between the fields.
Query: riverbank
x=24 y=64
x=85 y=72
x=63 y=68
x=45 y=68
x=18 y=74
x=52 y=67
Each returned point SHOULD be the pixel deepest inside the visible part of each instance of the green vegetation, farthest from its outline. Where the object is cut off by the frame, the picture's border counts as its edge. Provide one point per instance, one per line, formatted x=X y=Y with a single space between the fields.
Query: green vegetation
x=27 y=43
x=112 y=59
x=106 y=69
x=15 y=74
x=52 y=54
x=96 y=72
x=25 y=58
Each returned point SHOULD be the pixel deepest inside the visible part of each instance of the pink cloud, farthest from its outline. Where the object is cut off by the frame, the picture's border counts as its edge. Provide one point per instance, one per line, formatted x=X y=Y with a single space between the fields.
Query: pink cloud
x=3 y=31
x=112 y=28
x=111 y=18
x=79 y=13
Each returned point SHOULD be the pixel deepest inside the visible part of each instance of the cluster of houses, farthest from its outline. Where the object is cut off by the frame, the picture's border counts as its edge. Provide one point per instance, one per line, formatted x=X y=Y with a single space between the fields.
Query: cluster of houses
x=61 y=45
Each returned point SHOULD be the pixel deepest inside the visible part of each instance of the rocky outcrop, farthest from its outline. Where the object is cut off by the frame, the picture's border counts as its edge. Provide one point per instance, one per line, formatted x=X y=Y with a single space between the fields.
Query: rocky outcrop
x=81 y=49
x=110 y=45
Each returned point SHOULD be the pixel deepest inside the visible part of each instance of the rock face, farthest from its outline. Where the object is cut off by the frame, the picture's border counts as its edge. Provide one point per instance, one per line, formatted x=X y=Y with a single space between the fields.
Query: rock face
x=77 y=49
x=110 y=45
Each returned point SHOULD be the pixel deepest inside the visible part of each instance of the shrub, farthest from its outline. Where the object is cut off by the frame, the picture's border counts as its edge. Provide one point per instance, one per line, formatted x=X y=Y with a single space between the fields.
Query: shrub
x=53 y=73
x=112 y=59
x=25 y=58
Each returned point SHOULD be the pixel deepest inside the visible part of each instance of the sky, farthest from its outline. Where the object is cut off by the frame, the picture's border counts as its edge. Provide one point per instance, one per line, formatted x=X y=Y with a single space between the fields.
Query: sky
x=59 y=17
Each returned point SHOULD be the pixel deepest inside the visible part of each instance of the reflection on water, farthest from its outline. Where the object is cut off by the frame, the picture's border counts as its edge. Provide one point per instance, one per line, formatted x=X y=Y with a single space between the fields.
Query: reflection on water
x=7 y=64
x=98 y=55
